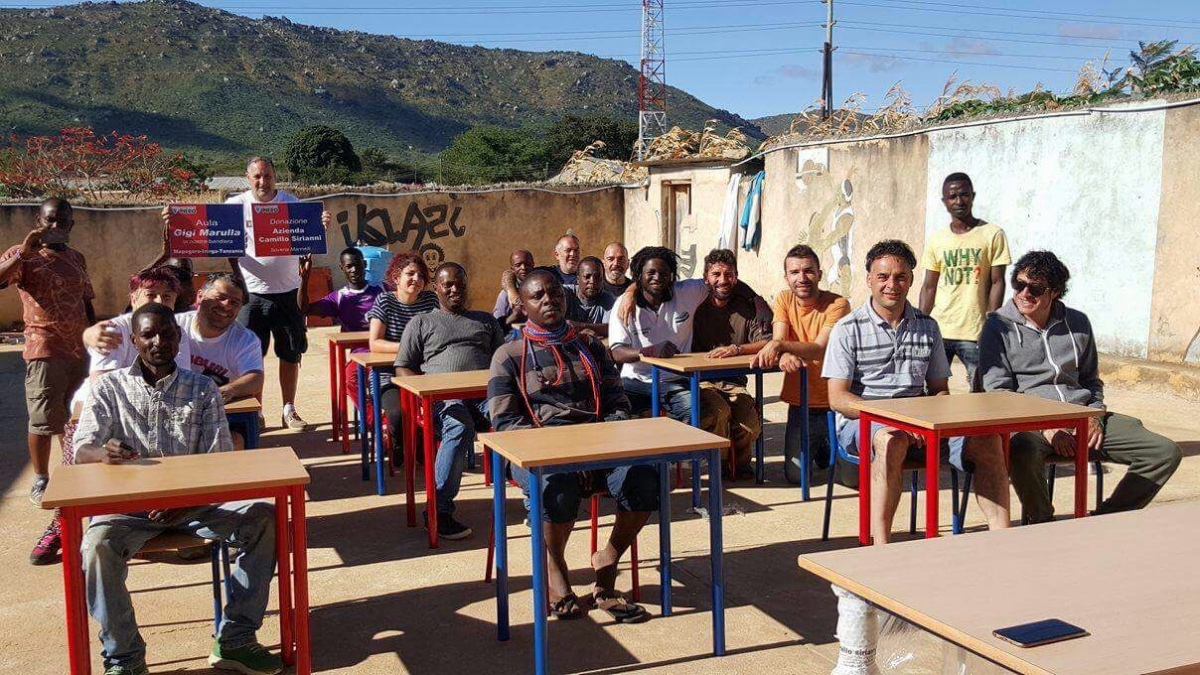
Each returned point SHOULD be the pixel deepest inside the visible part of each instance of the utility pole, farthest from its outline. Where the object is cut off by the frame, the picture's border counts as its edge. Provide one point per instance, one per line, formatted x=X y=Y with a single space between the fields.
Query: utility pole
x=827 y=77
x=652 y=83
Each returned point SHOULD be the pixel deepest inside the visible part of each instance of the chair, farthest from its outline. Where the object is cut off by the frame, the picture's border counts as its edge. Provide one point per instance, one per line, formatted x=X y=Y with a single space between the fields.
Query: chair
x=836 y=452
x=173 y=542
x=1052 y=469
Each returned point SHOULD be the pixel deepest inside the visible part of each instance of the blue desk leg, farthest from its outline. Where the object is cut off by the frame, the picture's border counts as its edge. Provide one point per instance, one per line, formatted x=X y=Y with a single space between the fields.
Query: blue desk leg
x=717 y=545
x=759 y=452
x=499 y=524
x=252 y=430
x=655 y=407
x=694 y=382
x=804 y=447
x=538 y=545
x=664 y=536
x=362 y=419
x=377 y=429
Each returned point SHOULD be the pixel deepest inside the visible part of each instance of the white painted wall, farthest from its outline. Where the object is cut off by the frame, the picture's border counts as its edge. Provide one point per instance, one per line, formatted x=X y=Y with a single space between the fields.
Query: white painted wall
x=1087 y=188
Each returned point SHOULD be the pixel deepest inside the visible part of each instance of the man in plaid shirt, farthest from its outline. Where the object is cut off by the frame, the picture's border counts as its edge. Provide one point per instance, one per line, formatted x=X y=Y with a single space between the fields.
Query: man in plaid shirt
x=155 y=409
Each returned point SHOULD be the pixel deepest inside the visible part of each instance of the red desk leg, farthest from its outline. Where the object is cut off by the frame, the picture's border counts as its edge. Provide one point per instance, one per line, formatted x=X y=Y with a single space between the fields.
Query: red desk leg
x=430 y=478
x=300 y=575
x=283 y=555
x=343 y=413
x=933 y=451
x=409 y=422
x=864 y=479
x=333 y=390
x=1081 y=467
x=78 y=654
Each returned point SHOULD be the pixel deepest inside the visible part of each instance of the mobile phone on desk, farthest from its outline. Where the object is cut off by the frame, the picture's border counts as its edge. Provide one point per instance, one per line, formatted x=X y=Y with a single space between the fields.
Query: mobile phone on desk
x=1040 y=633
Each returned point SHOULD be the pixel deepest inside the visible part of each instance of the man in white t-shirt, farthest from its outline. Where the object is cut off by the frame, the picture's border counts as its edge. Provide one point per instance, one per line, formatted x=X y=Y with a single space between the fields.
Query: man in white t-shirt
x=272 y=308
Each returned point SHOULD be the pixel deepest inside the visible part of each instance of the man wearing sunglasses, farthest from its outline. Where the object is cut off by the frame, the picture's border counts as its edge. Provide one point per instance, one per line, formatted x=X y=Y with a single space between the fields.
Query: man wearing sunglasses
x=1037 y=345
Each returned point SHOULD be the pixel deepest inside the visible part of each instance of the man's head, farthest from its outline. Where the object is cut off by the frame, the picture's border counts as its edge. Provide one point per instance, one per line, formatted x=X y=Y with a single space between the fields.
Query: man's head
x=654 y=271
x=260 y=171
x=157 y=284
x=450 y=284
x=57 y=215
x=616 y=261
x=155 y=335
x=802 y=271
x=591 y=277
x=184 y=273
x=354 y=266
x=1038 y=279
x=520 y=262
x=890 y=265
x=958 y=195
x=544 y=300
x=408 y=272
x=720 y=273
x=566 y=252
x=221 y=298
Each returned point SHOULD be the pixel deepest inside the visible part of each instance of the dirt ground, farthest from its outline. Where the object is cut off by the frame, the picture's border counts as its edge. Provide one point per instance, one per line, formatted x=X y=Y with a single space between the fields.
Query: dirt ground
x=382 y=602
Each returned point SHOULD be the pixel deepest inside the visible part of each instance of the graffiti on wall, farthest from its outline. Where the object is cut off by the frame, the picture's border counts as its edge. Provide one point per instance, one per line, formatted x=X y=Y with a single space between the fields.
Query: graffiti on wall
x=831 y=226
x=413 y=226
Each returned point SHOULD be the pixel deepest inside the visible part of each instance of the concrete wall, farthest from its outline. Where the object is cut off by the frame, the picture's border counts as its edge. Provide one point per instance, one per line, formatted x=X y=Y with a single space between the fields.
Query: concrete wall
x=1112 y=193
x=477 y=230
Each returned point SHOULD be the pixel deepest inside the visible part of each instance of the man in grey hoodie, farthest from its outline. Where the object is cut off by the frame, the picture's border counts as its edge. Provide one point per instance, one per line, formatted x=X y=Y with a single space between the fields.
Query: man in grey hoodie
x=1036 y=345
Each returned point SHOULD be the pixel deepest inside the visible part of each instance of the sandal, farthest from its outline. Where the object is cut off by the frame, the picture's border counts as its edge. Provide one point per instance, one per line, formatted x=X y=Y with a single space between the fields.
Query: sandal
x=620 y=609
x=567 y=608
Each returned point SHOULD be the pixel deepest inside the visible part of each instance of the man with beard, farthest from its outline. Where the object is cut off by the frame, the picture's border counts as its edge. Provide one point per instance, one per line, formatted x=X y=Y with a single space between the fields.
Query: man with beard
x=616 y=264
x=554 y=375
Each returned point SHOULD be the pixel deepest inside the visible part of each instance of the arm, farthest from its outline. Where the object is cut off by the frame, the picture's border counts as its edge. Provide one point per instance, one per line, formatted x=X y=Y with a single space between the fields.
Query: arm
x=93 y=435
x=613 y=400
x=305 y=270
x=236 y=270
x=214 y=436
x=994 y=372
x=997 y=287
x=103 y=341
x=249 y=384
x=410 y=354
x=506 y=406
x=1089 y=370
x=841 y=399
x=376 y=340
x=165 y=252
x=929 y=290
x=10 y=267
x=508 y=284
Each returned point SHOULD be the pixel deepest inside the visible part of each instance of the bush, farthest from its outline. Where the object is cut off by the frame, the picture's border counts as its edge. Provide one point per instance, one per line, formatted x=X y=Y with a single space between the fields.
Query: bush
x=319 y=153
x=487 y=154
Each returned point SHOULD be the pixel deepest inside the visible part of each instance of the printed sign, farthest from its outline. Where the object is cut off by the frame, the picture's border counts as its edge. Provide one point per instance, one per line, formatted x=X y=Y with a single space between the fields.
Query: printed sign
x=207 y=230
x=289 y=228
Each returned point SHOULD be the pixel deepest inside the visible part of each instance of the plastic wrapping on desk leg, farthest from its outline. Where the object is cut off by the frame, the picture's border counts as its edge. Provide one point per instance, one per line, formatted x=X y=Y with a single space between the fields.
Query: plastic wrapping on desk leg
x=857 y=634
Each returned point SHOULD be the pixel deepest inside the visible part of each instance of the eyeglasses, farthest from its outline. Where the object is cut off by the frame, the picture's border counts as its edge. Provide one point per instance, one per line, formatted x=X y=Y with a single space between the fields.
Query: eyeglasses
x=1035 y=290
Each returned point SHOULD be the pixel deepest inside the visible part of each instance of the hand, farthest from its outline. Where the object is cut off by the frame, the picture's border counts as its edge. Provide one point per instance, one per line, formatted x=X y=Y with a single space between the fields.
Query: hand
x=626 y=304
x=161 y=515
x=226 y=393
x=723 y=352
x=667 y=350
x=33 y=240
x=326 y=219
x=305 y=266
x=1095 y=433
x=101 y=339
x=790 y=363
x=166 y=215
x=1062 y=441
x=768 y=357
x=116 y=452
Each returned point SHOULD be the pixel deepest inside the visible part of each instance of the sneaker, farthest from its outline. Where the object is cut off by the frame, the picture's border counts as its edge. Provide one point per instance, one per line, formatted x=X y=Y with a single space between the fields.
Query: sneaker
x=293 y=421
x=135 y=669
x=253 y=659
x=47 y=549
x=449 y=528
x=38 y=490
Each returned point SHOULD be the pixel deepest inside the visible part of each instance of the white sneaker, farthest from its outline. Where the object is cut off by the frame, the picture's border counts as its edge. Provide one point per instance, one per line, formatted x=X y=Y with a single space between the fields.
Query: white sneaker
x=293 y=421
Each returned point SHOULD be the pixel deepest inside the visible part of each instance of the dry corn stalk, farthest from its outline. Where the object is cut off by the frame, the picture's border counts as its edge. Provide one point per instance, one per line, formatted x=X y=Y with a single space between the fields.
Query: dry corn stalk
x=730 y=146
x=584 y=168
x=675 y=144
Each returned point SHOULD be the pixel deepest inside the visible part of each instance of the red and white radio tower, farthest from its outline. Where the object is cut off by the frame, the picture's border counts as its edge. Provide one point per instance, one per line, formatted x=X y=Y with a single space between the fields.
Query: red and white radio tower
x=652 y=85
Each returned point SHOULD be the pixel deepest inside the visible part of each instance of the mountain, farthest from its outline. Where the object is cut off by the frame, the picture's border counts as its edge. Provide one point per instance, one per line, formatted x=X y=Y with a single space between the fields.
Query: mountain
x=773 y=125
x=203 y=80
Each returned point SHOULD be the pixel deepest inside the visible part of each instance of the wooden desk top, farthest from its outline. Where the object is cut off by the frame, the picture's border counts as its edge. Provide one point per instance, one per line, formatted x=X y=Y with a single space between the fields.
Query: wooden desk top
x=374 y=359
x=698 y=362
x=163 y=477
x=965 y=410
x=242 y=405
x=600 y=441
x=438 y=384
x=349 y=338
x=1127 y=578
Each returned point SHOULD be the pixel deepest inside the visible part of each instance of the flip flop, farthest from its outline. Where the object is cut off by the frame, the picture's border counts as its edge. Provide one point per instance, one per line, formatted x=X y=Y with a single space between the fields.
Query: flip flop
x=567 y=608
x=620 y=609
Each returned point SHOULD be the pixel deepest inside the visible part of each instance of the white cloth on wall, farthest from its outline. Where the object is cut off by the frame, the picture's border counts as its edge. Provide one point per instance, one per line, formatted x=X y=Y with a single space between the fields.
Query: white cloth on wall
x=729 y=213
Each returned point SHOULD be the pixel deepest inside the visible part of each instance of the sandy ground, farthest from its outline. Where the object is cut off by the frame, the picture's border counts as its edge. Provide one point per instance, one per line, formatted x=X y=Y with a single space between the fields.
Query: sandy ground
x=382 y=602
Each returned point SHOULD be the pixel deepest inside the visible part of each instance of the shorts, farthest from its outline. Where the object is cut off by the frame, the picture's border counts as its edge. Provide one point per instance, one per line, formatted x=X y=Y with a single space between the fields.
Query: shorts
x=49 y=385
x=278 y=315
x=635 y=488
x=951 y=452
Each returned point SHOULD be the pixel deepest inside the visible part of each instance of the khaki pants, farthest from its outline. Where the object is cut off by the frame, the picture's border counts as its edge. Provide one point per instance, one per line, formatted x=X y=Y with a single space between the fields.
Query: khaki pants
x=729 y=410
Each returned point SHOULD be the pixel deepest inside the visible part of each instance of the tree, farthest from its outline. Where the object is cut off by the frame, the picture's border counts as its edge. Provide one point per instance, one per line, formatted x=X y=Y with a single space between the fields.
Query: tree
x=572 y=133
x=321 y=154
x=377 y=165
x=488 y=154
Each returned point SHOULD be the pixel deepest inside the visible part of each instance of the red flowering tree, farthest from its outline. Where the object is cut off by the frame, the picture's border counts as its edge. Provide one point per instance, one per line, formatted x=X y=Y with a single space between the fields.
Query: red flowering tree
x=78 y=162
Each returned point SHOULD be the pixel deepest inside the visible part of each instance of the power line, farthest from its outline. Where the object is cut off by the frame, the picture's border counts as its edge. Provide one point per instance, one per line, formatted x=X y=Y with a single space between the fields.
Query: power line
x=1016 y=13
x=294 y=10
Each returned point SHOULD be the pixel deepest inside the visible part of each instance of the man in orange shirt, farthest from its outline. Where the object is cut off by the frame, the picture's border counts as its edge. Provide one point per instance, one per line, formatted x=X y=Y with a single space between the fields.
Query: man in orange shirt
x=804 y=317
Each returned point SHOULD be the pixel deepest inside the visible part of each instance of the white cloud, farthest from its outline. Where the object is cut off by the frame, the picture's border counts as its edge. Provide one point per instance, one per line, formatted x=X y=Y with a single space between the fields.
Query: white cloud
x=1086 y=30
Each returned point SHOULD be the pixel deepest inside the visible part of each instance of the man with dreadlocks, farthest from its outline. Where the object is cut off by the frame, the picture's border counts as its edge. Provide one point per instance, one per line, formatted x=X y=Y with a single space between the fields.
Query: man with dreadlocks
x=554 y=375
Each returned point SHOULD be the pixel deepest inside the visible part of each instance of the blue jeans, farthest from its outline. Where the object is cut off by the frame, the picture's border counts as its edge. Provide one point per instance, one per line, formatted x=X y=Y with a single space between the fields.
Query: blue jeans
x=818 y=442
x=457 y=421
x=968 y=353
x=634 y=487
x=110 y=541
x=674 y=391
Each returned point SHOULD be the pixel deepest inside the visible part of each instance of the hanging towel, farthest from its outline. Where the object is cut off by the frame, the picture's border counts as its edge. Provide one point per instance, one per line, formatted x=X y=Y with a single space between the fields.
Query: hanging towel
x=729 y=213
x=752 y=213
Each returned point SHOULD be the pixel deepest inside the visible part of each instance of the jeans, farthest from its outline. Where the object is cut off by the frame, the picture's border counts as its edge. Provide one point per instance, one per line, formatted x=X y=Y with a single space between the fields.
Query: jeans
x=818 y=442
x=673 y=390
x=110 y=541
x=968 y=353
x=458 y=421
x=635 y=488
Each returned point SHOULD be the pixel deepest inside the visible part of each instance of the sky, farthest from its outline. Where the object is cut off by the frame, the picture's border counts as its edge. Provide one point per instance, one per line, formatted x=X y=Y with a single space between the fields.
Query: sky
x=761 y=57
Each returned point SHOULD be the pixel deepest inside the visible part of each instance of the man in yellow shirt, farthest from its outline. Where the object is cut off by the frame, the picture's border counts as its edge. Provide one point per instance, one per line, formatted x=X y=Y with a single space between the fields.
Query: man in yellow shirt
x=804 y=317
x=964 y=273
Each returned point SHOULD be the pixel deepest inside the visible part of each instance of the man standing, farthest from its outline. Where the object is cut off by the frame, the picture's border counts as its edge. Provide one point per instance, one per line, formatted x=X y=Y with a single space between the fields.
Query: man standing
x=450 y=339
x=56 y=305
x=888 y=349
x=726 y=326
x=589 y=306
x=616 y=263
x=804 y=318
x=155 y=409
x=555 y=376
x=1037 y=345
x=507 y=312
x=964 y=273
x=272 y=309
x=566 y=254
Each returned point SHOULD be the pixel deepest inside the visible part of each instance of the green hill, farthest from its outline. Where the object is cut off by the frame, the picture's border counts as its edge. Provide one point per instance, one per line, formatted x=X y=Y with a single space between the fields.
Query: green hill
x=223 y=86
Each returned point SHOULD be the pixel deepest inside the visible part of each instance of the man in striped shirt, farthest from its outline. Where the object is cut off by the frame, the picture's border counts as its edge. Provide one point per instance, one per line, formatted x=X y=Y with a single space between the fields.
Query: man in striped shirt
x=889 y=349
